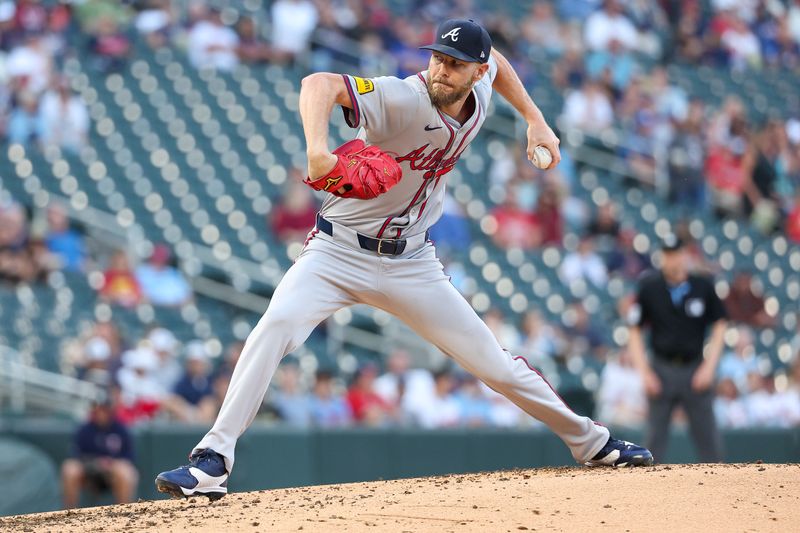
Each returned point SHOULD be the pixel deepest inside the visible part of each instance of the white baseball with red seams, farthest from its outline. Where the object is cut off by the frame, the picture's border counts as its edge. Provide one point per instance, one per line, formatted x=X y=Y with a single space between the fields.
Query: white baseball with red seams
x=541 y=157
x=333 y=272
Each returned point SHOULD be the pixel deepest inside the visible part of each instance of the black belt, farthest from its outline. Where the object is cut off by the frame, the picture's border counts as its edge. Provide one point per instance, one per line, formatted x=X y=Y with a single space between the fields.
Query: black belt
x=677 y=360
x=379 y=246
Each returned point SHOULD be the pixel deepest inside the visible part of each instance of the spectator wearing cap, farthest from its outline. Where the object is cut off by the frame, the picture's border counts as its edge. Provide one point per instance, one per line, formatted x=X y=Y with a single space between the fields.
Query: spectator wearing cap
x=155 y=22
x=195 y=384
x=63 y=241
x=161 y=283
x=96 y=362
x=140 y=391
x=165 y=345
x=328 y=409
x=192 y=398
x=120 y=286
x=679 y=308
x=102 y=459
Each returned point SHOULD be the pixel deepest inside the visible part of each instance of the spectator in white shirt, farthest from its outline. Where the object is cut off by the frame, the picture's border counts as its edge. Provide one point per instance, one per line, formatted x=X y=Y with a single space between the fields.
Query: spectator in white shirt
x=442 y=409
x=391 y=386
x=584 y=263
x=742 y=45
x=166 y=346
x=212 y=44
x=28 y=67
x=293 y=22
x=621 y=400
x=63 y=119
x=609 y=24
x=138 y=378
x=588 y=108
x=793 y=20
x=759 y=402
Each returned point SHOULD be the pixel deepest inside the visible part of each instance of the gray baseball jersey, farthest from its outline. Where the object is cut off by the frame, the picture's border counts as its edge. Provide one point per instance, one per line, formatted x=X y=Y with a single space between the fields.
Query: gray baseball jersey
x=398 y=116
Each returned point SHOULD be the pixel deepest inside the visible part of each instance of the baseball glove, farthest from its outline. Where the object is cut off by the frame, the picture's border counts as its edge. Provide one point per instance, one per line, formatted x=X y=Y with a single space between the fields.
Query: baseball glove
x=361 y=172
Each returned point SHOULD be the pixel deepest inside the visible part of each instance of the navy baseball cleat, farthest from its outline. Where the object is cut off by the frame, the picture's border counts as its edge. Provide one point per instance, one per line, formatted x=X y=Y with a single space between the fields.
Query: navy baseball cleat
x=205 y=475
x=621 y=453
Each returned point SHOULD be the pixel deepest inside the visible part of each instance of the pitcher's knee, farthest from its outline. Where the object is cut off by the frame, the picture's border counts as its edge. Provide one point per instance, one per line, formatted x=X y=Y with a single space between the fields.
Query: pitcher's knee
x=283 y=327
x=283 y=317
x=499 y=375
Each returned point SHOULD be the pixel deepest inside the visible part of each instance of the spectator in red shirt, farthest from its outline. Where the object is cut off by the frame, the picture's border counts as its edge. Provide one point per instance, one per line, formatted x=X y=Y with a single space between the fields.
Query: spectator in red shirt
x=367 y=406
x=726 y=171
x=296 y=214
x=119 y=284
x=793 y=221
x=516 y=227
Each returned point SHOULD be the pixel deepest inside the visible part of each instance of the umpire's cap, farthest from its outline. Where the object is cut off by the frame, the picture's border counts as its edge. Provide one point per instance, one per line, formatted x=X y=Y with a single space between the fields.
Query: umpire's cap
x=671 y=243
x=463 y=39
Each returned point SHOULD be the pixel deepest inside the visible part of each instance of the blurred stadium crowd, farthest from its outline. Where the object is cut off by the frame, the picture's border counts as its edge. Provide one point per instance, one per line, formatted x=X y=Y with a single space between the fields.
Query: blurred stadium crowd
x=609 y=69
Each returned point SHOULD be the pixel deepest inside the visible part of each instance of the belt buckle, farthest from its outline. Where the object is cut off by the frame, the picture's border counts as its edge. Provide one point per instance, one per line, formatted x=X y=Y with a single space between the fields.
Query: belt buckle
x=380 y=244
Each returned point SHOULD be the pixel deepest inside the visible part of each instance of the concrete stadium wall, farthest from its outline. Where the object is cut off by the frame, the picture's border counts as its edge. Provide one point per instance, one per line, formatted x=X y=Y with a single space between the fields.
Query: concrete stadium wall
x=270 y=457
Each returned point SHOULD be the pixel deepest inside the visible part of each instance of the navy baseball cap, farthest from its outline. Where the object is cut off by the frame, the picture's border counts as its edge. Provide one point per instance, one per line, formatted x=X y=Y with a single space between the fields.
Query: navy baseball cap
x=463 y=39
x=671 y=243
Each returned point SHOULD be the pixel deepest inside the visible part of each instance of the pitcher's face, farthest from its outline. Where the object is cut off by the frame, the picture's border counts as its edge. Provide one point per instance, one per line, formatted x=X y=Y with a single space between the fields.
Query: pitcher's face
x=450 y=79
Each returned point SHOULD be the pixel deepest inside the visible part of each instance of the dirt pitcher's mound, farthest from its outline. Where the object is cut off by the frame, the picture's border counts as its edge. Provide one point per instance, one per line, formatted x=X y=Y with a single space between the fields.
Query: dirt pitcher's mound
x=752 y=497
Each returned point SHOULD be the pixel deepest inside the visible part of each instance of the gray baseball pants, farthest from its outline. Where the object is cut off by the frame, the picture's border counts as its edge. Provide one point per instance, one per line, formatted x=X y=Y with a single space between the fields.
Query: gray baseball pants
x=330 y=274
x=676 y=389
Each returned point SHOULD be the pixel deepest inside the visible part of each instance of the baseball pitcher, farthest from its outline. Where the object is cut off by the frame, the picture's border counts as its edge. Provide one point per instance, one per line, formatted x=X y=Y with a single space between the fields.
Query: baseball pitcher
x=369 y=245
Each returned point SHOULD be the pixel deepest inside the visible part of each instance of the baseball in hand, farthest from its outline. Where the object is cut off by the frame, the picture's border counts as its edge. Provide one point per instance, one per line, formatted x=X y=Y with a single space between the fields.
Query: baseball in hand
x=541 y=157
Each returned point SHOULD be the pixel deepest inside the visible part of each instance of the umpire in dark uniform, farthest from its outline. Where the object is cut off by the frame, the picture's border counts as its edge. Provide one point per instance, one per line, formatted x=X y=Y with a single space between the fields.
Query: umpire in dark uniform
x=679 y=308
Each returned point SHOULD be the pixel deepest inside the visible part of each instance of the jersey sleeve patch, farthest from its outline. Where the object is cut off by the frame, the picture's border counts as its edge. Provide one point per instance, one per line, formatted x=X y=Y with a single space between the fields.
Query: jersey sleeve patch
x=364 y=86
